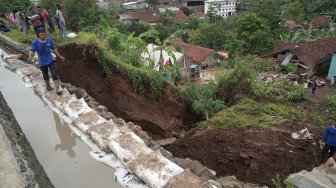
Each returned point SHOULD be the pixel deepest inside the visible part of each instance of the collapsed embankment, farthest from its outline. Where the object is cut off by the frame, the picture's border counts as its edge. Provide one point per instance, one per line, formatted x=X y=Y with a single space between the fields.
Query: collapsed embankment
x=160 y=118
x=254 y=155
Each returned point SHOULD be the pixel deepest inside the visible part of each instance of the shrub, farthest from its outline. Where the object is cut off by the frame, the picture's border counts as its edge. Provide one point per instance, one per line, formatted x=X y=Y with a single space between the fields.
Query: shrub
x=258 y=64
x=331 y=101
x=248 y=113
x=245 y=114
x=231 y=87
x=203 y=102
x=291 y=67
x=286 y=89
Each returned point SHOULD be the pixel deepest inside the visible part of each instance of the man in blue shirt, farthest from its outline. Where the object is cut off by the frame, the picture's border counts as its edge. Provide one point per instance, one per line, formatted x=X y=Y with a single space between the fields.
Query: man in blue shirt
x=44 y=46
x=329 y=141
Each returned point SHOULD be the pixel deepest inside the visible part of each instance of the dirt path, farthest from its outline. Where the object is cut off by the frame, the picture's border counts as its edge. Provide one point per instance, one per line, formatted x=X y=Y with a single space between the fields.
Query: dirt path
x=254 y=156
x=322 y=93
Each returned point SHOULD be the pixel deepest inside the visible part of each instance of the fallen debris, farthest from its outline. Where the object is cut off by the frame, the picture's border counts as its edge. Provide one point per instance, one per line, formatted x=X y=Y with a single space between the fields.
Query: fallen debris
x=303 y=134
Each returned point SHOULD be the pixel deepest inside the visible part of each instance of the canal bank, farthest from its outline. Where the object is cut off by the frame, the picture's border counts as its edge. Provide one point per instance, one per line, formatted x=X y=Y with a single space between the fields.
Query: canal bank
x=19 y=166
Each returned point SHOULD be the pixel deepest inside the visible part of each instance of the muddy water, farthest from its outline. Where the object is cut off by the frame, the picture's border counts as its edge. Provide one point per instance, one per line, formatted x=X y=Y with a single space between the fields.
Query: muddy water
x=64 y=157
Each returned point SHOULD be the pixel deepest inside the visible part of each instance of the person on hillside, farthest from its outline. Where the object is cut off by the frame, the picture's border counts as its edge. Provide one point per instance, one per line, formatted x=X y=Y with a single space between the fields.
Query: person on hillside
x=48 y=20
x=44 y=46
x=12 y=18
x=24 y=21
x=18 y=20
x=60 y=17
x=3 y=27
x=314 y=87
x=37 y=19
x=329 y=141
x=332 y=81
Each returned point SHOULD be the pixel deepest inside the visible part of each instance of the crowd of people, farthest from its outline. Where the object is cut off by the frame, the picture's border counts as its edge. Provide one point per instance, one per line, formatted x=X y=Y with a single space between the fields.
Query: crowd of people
x=36 y=18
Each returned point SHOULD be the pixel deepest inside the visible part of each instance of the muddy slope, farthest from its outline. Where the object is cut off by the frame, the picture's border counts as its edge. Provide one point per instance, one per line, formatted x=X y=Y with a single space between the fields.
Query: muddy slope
x=254 y=156
x=82 y=69
x=22 y=150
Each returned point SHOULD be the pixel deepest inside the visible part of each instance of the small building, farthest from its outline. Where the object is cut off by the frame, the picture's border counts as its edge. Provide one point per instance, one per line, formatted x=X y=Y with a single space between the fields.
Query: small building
x=204 y=59
x=180 y=16
x=146 y=16
x=332 y=69
x=196 y=5
x=223 y=8
x=201 y=16
x=312 y=58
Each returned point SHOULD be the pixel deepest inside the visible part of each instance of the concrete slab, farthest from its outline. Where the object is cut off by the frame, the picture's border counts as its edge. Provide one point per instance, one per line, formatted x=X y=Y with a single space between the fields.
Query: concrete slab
x=103 y=133
x=319 y=177
x=185 y=179
x=10 y=176
x=76 y=108
x=87 y=119
x=14 y=64
x=30 y=70
x=154 y=169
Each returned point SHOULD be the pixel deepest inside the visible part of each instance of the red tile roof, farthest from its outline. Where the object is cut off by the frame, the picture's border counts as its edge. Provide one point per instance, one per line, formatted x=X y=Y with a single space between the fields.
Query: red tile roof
x=144 y=15
x=309 y=54
x=180 y=16
x=201 y=15
x=196 y=53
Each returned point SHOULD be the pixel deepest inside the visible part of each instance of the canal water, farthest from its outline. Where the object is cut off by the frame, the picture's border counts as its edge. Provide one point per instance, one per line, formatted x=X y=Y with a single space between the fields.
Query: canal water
x=64 y=157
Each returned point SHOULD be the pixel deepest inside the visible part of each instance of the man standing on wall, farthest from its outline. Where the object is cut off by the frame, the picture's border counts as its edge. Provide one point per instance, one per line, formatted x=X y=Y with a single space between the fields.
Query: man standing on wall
x=44 y=46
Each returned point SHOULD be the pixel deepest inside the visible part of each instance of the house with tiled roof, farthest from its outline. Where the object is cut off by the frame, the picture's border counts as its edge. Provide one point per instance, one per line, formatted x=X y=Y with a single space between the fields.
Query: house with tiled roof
x=201 y=15
x=197 y=58
x=312 y=58
x=146 y=16
x=180 y=16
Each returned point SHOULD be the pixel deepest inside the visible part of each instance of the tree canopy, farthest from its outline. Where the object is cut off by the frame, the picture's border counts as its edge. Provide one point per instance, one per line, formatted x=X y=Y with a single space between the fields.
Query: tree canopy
x=254 y=33
x=10 y=5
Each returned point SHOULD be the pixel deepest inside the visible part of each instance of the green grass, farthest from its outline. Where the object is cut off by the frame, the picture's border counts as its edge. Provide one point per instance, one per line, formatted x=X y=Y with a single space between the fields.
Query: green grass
x=251 y=114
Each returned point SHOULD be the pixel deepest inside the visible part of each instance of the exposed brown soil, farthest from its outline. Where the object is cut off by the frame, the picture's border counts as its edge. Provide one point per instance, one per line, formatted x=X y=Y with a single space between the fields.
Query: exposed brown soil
x=160 y=118
x=254 y=156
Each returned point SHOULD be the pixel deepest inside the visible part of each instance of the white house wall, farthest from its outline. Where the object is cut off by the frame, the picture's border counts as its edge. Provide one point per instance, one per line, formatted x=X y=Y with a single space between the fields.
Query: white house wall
x=224 y=8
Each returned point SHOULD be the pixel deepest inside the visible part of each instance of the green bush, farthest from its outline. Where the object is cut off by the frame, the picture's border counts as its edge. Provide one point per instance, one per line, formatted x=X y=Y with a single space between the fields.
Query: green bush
x=243 y=82
x=248 y=113
x=291 y=67
x=286 y=89
x=245 y=114
x=320 y=121
x=203 y=102
x=236 y=85
x=258 y=64
x=331 y=100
